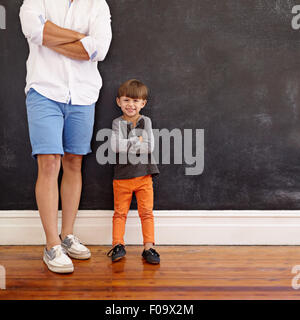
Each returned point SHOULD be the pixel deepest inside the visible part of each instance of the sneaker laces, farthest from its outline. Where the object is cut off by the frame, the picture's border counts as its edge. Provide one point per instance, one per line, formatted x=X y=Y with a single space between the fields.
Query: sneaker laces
x=59 y=250
x=75 y=239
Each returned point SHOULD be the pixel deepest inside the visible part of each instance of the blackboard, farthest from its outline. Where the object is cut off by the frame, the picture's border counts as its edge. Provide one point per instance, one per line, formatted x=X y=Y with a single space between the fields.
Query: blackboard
x=229 y=67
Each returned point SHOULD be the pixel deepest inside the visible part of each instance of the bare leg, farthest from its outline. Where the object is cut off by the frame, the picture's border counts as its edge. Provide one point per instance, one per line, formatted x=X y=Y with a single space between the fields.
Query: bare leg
x=46 y=191
x=70 y=191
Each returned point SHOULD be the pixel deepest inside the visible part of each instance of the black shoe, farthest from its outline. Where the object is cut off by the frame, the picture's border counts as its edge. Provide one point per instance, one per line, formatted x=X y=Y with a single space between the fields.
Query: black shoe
x=118 y=252
x=151 y=256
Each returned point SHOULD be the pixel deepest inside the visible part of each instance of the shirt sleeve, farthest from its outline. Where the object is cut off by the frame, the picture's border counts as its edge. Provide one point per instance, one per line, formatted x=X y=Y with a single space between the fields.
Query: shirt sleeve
x=32 y=17
x=147 y=145
x=98 y=41
x=119 y=143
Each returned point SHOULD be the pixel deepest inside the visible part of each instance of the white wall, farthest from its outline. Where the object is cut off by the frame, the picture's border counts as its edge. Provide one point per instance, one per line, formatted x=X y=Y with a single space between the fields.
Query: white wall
x=171 y=228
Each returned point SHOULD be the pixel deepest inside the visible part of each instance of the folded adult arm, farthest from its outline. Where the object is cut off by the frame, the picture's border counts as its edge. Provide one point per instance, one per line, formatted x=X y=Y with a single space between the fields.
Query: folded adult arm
x=53 y=35
x=40 y=31
x=100 y=34
x=64 y=41
x=73 y=50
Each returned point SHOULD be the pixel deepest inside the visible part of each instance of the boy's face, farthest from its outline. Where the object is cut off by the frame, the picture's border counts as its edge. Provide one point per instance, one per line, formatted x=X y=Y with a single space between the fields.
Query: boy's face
x=131 y=107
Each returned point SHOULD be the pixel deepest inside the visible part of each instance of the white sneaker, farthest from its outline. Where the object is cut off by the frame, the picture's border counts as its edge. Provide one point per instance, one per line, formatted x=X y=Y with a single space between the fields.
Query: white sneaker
x=74 y=248
x=57 y=260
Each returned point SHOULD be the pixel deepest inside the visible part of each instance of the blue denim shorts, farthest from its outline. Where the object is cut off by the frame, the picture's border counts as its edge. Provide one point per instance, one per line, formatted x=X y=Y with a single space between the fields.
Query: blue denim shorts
x=56 y=128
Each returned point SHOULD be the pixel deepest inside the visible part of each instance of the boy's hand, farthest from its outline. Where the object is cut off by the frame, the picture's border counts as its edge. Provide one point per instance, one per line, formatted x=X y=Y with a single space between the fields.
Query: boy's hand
x=141 y=138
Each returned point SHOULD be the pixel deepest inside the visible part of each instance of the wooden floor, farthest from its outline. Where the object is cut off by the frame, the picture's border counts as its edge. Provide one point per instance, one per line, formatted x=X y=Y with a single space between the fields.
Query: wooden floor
x=185 y=272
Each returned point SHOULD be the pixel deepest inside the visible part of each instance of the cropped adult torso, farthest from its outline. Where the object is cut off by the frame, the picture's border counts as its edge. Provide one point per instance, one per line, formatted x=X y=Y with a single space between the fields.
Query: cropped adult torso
x=56 y=76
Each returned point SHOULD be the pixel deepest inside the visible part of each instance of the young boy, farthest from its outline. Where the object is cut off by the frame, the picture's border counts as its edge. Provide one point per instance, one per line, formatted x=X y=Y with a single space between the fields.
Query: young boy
x=133 y=136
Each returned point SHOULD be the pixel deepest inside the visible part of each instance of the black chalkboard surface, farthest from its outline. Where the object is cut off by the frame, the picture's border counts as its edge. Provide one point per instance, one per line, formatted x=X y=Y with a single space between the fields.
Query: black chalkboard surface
x=229 y=67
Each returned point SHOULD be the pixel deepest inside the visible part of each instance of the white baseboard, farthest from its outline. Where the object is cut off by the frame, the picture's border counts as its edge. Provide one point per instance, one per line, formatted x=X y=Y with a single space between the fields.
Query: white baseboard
x=171 y=228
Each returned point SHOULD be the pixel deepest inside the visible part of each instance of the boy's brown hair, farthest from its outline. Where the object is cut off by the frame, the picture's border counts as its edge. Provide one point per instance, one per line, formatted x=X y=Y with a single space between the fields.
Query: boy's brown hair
x=133 y=89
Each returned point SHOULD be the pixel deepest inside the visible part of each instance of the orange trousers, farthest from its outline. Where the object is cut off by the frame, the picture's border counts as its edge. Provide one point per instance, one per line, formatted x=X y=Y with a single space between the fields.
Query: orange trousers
x=123 y=190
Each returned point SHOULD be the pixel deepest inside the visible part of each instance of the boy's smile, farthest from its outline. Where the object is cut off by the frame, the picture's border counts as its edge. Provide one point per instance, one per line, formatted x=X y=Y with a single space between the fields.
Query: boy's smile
x=131 y=107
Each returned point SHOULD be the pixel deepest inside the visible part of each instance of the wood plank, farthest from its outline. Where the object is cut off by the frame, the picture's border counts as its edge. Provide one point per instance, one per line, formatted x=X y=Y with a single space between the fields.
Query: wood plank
x=185 y=272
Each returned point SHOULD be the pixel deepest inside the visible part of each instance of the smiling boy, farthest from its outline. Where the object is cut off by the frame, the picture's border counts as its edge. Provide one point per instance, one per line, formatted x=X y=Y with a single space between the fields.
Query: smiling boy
x=132 y=135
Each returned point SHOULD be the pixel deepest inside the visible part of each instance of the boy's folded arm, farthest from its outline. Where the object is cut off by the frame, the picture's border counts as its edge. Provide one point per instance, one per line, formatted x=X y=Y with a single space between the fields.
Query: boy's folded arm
x=118 y=142
x=147 y=145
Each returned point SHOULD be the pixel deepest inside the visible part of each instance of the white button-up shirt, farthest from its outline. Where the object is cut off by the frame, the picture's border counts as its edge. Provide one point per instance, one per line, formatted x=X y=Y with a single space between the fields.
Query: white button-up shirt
x=54 y=75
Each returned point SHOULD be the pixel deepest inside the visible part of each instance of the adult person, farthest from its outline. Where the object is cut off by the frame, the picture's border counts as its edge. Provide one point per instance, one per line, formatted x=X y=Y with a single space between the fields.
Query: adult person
x=66 y=40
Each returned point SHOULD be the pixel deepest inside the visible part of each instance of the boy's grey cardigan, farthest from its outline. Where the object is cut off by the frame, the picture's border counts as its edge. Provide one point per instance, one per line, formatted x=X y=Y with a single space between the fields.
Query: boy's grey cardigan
x=126 y=143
